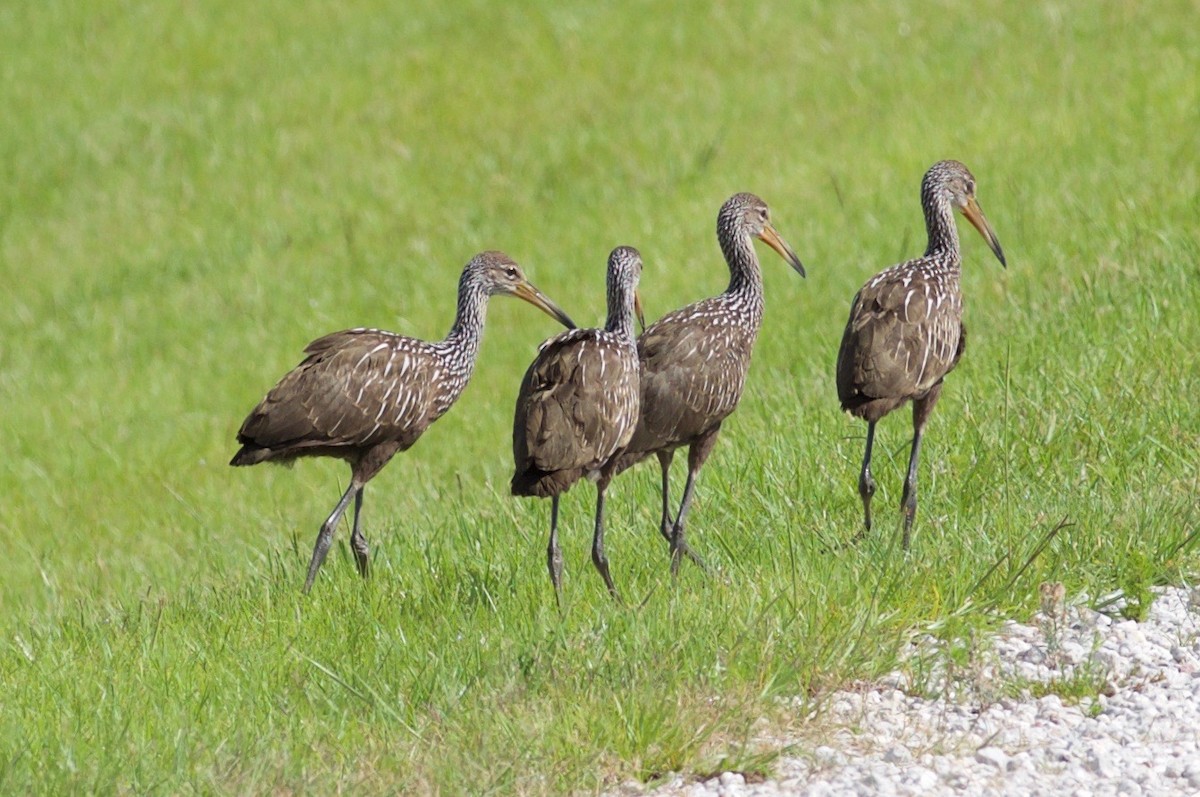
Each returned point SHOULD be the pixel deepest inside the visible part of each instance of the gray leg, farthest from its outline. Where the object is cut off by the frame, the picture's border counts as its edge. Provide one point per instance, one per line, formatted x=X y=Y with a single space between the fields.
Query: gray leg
x=909 y=500
x=358 y=543
x=664 y=462
x=679 y=546
x=866 y=484
x=697 y=453
x=325 y=537
x=921 y=411
x=598 y=557
x=554 y=560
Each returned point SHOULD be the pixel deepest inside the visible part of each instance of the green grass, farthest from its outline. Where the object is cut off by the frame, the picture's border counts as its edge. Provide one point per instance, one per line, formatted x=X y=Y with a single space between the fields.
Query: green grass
x=191 y=192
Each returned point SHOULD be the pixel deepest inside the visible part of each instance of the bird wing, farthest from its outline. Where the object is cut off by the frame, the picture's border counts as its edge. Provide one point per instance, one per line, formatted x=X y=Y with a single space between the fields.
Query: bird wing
x=577 y=404
x=902 y=337
x=693 y=372
x=354 y=386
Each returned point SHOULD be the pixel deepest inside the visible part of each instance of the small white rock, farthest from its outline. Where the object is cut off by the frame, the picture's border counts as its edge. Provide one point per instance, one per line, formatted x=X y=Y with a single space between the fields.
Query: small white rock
x=1129 y=788
x=828 y=756
x=993 y=757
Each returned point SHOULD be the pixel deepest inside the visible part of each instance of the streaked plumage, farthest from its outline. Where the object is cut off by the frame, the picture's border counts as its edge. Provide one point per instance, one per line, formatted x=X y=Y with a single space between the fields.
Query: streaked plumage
x=905 y=330
x=694 y=362
x=577 y=406
x=362 y=395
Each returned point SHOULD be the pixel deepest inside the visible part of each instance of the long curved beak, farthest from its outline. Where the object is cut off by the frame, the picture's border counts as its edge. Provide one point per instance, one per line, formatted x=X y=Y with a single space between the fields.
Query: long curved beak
x=526 y=291
x=974 y=214
x=637 y=309
x=772 y=239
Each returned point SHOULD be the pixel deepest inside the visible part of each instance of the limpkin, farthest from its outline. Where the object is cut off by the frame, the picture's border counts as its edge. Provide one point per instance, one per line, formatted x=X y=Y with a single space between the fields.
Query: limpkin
x=363 y=395
x=578 y=406
x=905 y=331
x=694 y=363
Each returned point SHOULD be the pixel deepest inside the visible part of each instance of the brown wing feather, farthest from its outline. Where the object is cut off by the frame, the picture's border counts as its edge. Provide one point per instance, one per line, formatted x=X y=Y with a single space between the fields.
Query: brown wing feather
x=577 y=405
x=354 y=387
x=903 y=336
x=694 y=368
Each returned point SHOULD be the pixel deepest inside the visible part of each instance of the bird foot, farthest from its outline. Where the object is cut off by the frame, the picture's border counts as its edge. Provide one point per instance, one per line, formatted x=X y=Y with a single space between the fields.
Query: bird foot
x=320 y=550
x=680 y=549
x=362 y=556
x=601 y=564
x=554 y=563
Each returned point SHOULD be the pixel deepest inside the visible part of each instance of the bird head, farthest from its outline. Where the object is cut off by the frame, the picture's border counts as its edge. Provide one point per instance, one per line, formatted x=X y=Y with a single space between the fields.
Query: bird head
x=750 y=215
x=498 y=273
x=955 y=182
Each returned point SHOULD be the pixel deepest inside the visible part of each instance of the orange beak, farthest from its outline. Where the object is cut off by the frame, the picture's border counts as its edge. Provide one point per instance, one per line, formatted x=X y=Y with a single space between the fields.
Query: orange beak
x=526 y=291
x=974 y=214
x=772 y=239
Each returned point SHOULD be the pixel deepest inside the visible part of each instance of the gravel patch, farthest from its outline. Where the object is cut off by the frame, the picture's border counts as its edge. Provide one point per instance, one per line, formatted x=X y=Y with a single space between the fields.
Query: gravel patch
x=988 y=733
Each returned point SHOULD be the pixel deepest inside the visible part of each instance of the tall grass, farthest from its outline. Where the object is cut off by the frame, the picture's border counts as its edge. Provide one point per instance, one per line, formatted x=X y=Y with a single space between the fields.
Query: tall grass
x=192 y=192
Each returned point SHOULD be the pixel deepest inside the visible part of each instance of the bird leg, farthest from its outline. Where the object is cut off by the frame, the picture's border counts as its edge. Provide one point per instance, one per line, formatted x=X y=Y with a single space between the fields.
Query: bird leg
x=554 y=559
x=325 y=537
x=598 y=557
x=679 y=546
x=909 y=500
x=866 y=484
x=664 y=462
x=922 y=408
x=358 y=543
x=697 y=453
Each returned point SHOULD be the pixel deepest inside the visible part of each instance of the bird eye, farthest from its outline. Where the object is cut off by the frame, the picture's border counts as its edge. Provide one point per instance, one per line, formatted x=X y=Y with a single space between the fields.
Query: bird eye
x=970 y=186
x=511 y=272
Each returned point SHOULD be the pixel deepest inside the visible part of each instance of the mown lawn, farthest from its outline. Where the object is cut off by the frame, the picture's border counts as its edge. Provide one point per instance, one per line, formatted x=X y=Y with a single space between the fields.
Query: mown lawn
x=193 y=191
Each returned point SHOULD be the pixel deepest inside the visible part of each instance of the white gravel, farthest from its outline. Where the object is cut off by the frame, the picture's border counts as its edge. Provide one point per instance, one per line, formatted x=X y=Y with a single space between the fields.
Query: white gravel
x=1140 y=736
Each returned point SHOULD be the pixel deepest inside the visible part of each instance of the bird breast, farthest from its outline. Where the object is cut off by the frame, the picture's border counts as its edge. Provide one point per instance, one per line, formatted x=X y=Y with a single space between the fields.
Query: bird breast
x=902 y=336
x=578 y=401
x=694 y=367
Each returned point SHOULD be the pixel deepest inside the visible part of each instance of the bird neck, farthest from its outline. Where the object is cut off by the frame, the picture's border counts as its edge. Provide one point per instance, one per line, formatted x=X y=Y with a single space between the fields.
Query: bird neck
x=467 y=332
x=943 y=232
x=745 y=275
x=620 y=311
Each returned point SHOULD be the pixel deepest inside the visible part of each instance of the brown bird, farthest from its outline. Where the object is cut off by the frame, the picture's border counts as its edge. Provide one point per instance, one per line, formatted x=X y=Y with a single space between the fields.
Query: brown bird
x=694 y=363
x=362 y=395
x=905 y=331
x=578 y=406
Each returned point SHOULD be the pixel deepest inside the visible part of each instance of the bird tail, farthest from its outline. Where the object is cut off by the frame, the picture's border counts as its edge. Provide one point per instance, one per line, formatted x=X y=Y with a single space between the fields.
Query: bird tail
x=250 y=454
x=543 y=484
